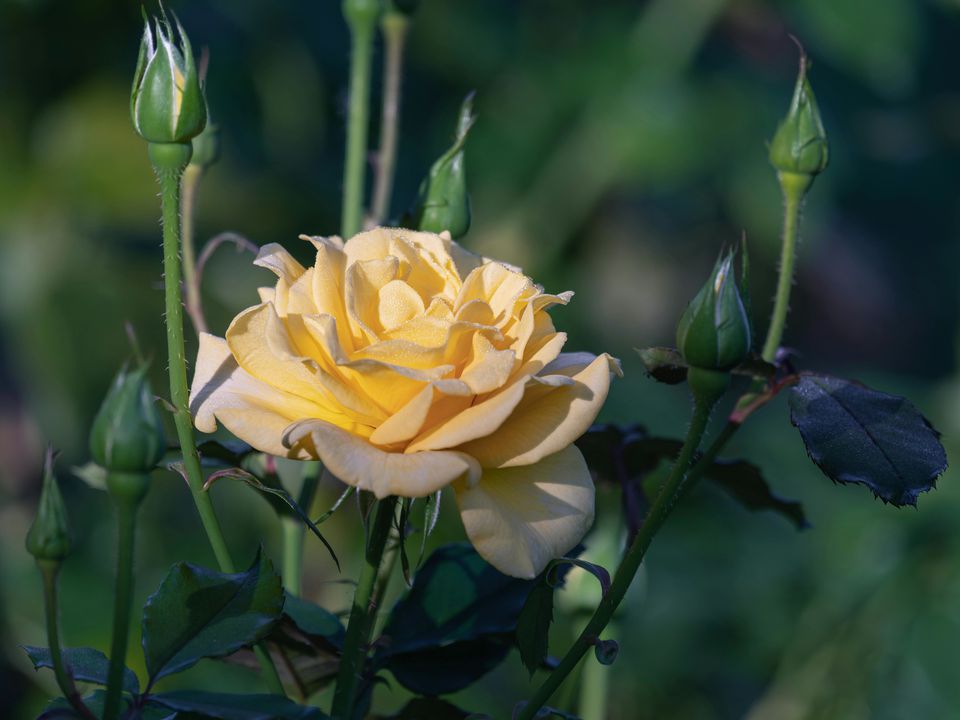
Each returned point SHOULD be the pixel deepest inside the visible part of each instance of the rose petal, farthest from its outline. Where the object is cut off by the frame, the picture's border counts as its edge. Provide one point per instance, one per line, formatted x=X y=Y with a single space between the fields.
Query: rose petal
x=543 y=424
x=253 y=411
x=519 y=519
x=356 y=462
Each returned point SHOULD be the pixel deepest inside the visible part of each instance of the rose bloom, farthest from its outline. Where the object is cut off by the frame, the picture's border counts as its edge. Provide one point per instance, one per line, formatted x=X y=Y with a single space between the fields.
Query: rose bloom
x=407 y=364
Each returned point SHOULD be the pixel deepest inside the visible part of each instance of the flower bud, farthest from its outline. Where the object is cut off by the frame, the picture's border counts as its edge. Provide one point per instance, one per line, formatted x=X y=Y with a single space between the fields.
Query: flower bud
x=49 y=536
x=714 y=332
x=443 y=202
x=167 y=103
x=800 y=143
x=127 y=434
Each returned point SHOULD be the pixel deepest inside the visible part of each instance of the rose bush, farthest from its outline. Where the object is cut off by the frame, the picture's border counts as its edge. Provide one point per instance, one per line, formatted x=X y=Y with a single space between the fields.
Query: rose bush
x=407 y=364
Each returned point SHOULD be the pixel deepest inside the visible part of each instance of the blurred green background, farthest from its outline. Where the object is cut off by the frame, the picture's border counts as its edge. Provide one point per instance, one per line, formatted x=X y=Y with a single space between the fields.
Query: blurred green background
x=619 y=144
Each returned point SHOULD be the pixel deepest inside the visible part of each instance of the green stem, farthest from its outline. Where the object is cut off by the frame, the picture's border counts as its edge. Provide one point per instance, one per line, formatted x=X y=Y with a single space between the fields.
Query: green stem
x=794 y=187
x=169 y=160
x=123 y=604
x=362 y=614
x=664 y=504
x=361 y=54
x=50 y=570
x=191 y=280
x=393 y=27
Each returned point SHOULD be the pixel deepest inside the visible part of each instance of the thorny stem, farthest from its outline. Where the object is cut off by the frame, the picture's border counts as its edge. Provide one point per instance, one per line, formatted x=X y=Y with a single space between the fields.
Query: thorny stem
x=664 y=504
x=169 y=162
x=794 y=187
x=393 y=26
x=362 y=614
x=50 y=570
x=361 y=54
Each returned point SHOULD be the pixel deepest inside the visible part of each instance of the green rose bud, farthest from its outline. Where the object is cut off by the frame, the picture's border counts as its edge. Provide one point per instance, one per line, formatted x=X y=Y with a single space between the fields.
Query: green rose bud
x=714 y=332
x=167 y=103
x=127 y=434
x=800 y=143
x=49 y=536
x=443 y=202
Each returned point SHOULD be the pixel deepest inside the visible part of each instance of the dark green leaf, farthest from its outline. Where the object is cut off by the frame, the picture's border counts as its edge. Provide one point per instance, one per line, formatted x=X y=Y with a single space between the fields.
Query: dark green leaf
x=450 y=668
x=60 y=709
x=663 y=364
x=235 y=707
x=84 y=664
x=455 y=596
x=198 y=613
x=429 y=708
x=745 y=482
x=454 y=625
x=858 y=435
x=533 y=626
x=313 y=619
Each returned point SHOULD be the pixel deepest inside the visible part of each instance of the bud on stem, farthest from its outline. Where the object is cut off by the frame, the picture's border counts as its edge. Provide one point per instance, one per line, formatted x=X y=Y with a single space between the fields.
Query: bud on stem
x=443 y=202
x=48 y=539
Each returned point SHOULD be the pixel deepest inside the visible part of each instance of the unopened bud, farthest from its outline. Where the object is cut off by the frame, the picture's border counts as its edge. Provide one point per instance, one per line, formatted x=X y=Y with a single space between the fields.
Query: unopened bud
x=49 y=536
x=714 y=332
x=127 y=434
x=443 y=202
x=800 y=143
x=167 y=103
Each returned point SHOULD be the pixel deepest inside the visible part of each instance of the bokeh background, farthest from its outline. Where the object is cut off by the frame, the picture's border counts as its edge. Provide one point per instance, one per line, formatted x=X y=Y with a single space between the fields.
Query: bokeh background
x=618 y=145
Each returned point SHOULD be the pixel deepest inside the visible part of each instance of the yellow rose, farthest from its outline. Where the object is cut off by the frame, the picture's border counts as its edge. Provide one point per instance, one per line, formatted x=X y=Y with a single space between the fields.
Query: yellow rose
x=407 y=364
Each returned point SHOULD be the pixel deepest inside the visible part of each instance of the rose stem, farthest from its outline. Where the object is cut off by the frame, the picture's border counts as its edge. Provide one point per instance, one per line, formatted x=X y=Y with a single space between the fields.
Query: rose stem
x=393 y=26
x=123 y=601
x=169 y=160
x=666 y=499
x=50 y=570
x=362 y=614
x=794 y=187
x=362 y=25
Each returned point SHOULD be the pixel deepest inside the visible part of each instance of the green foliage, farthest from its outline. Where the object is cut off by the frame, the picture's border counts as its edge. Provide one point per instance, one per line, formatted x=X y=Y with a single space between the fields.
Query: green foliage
x=454 y=625
x=197 y=613
x=84 y=664
x=225 y=706
x=858 y=435
x=533 y=626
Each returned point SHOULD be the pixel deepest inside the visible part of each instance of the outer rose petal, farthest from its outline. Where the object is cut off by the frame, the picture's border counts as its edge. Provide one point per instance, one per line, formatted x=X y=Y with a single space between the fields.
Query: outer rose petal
x=546 y=422
x=519 y=519
x=356 y=462
x=253 y=411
